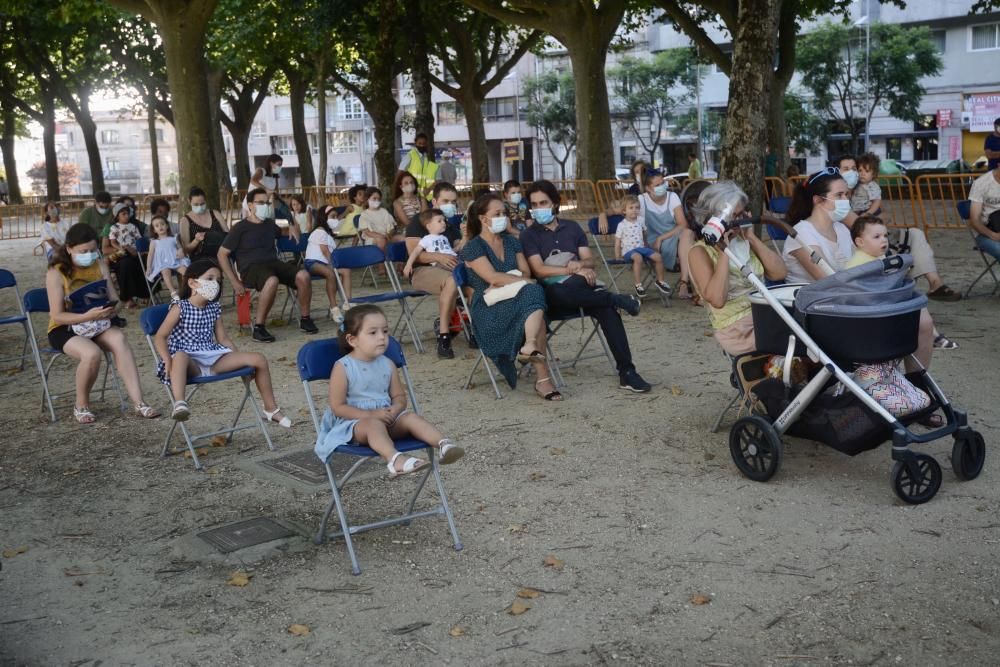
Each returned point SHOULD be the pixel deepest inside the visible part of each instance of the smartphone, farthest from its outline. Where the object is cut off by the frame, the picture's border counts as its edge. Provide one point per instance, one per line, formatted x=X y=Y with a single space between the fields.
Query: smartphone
x=111 y=304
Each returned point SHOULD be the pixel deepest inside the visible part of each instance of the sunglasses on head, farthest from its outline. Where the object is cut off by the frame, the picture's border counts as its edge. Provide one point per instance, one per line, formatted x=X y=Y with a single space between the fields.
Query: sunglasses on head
x=829 y=171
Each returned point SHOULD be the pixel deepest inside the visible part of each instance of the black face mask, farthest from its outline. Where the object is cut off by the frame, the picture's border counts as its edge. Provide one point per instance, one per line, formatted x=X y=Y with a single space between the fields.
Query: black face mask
x=421 y=149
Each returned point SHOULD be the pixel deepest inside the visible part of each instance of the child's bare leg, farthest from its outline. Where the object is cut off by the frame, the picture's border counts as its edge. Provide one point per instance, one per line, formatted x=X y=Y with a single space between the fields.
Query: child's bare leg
x=413 y=425
x=181 y=368
x=345 y=280
x=637 y=268
x=661 y=273
x=168 y=280
x=261 y=377
x=374 y=433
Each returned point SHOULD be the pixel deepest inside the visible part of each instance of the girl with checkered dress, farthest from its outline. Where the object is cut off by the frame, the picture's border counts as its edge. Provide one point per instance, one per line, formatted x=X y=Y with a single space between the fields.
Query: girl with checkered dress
x=192 y=341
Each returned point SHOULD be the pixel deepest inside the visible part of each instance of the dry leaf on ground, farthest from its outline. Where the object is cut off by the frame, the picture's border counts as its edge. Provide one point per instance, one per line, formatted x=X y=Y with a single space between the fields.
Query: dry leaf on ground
x=553 y=562
x=556 y=451
x=699 y=599
x=457 y=631
x=10 y=553
x=240 y=579
x=528 y=593
x=517 y=528
x=299 y=630
x=676 y=391
x=219 y=441
x=536 y=476
x=517 y=608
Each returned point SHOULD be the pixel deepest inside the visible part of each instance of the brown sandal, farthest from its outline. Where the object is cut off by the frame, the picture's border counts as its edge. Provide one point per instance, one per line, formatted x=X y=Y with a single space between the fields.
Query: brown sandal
x=553 y=395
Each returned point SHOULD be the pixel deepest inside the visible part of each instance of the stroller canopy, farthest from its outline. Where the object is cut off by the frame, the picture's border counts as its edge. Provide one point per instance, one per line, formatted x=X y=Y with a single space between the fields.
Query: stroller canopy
x=872 y=290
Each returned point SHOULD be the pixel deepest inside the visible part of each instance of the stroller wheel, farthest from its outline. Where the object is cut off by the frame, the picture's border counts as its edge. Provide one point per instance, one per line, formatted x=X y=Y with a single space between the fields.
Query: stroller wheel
x=968 y=455
x=755 y=447
x=916 y=481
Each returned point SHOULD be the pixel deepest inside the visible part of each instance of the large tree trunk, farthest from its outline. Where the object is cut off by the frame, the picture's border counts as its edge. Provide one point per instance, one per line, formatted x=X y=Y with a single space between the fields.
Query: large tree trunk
x=89 y=129
x=154 y=146
x=321 y=121
x=380 y=102
x=7 y=138
x=298 y=87
x=49 y=146
x=384 y=119
x=240 y=131
x=777 y=131
x=223 y=181
x=472 y=107
x=750 y=96
x=423 y=119
x=595 y=154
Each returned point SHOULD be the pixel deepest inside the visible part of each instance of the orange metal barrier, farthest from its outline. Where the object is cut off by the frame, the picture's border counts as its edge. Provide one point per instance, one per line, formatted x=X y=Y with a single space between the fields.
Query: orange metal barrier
x=899 y=203
x=329 y=195
x=937 y=196
x=21 y=221
x=775 y=187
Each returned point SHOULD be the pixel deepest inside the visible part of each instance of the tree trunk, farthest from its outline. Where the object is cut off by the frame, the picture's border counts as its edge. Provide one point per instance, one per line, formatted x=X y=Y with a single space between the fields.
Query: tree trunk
x=384 y=121
x=472 y=107
x=223 y=181
x=777 y=130
x=379 y=100
x=750 y=96
x=240 y=131
x=423 y=119
x=321 y=121
x=184 y=47
x=49 y=146
x=154 y=146
x=777 y=134
x=595 y=148
x=89 y=129
x=7 y=138
x=297 y=96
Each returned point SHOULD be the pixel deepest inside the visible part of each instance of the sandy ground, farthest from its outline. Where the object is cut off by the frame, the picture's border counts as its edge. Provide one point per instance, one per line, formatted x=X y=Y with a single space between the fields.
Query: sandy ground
x=640 y=504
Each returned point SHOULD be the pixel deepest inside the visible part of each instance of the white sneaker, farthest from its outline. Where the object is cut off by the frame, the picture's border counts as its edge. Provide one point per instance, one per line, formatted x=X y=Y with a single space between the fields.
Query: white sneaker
x=336 y=315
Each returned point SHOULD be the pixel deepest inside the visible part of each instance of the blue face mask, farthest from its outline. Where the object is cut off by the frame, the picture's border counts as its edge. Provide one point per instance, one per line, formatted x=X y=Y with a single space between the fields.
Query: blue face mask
x=449 y=210
x=542 y=216
x=660 y=190
x=85 y=259
x=851 y=177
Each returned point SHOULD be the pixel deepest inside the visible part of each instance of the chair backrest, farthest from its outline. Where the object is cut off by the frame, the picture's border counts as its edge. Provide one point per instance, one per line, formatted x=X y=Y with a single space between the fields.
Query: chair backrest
x=964 y=209
x=151 y=318
x=779 y=205
x=613 y=221
x=7 y=279
x=776 y=233
x=90 y=295
x=396 y=251
x=288 y=244
x=461 y=275
x=357 y=257
x=36 y=300
x=357 y=220
x=142 y=245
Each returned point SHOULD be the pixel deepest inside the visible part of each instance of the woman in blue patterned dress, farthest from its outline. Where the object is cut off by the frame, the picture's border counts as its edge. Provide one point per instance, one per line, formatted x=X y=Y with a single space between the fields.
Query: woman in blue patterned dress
x=192 y=341
x=513 y=328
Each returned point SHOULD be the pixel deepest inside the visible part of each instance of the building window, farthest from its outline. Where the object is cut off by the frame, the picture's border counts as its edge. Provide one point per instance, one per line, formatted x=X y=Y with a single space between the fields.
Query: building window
x=342 y=142
x=939 y=37
x=894 y=148
x=626 y=154
x=351 y=108
x=313 y=143
x=259 y=130
x=113 y=165
x=159 y=136
x=985 y=37
x=283 y=145
x=926 y=123
x=450 y=113
x=498 y=108
x=110 y=137
x=309 y=111
x=925 y=148
x=282 y=112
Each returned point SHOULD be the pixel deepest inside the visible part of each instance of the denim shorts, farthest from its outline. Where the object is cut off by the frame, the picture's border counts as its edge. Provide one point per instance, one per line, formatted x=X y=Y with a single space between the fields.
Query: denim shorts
x=310 y=263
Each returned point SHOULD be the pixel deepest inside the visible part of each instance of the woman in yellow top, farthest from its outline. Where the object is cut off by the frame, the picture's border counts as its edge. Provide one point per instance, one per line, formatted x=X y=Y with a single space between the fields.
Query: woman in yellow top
x=726 y=293
x=86 y=336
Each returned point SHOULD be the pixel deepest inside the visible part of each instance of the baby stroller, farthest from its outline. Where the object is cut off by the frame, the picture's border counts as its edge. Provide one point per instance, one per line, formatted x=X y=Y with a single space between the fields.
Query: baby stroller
x=865 y=315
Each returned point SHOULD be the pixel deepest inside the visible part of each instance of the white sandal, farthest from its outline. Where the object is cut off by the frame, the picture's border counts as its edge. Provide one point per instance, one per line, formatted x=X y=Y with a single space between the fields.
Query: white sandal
x=146 y=411
x=284 y=422
x=182 y=411
x=449 y=452
x=412 y=464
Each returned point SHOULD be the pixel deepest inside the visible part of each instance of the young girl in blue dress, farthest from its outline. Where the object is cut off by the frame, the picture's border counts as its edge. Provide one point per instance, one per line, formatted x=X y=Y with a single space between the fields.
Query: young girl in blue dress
x=192 y=342
x=368 y=401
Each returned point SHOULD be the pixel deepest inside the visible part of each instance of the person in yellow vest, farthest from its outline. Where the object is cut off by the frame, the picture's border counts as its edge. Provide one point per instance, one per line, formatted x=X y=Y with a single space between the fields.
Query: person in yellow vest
x=421 y=165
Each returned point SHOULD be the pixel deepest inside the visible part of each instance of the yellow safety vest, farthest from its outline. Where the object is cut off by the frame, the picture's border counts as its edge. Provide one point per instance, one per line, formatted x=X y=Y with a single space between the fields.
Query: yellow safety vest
x=422 y=168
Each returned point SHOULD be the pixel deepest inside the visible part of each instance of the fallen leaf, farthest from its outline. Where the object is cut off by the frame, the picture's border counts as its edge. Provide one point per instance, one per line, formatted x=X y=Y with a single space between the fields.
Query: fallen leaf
x=10 y=553
x=699 y=599
x=537 y=476
x=556 y=451
x=219 y=441
x=13 y=371
x=457 y=631
x=278 y=323
x=282 y=359
x=709 y=456
x=67 y=473
x=202 y=451
x=676 y=391
x=553 y=562
x=240 y=579
x=517 y=528
x=78 y=572
x=528 y=593
x=517 y=608
x=299 y=630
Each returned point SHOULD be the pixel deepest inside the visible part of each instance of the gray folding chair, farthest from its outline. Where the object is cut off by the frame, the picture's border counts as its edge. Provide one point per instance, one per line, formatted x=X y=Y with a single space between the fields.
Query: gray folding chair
x=23 y=317
x=964 y=209
x=557 y=321
x=621 y=265
x=461 y=276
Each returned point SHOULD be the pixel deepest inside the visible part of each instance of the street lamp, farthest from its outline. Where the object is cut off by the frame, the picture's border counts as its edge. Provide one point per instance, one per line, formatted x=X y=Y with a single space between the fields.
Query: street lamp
x=866 y=22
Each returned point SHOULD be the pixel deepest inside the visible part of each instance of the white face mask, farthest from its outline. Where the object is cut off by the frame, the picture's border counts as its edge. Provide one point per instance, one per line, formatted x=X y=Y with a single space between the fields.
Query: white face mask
x=275 y=169
x=374 y=203
x=409 y=188
x=498 y=224
x=841 y=209
x=199 y=208
x=740 y=247
x=262 y=211
x=449 y=209
x=103 y=210
x=660 y=190
x=209 y=289
x=515 y=198
x=851 y=177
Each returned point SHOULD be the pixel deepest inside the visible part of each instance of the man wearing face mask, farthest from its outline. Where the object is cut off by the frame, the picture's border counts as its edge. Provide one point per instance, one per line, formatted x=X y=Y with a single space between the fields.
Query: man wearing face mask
x=98 y=216
x=251 y=240
x=446 y=170
x=573 y=285
x=420 y=164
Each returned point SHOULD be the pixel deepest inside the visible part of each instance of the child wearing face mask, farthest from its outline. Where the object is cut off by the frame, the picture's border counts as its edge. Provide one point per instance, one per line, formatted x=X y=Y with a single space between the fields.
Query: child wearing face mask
x=54 y=230
x=192 y=341
x=376 y=224
x=435 y=240
x=514 y=205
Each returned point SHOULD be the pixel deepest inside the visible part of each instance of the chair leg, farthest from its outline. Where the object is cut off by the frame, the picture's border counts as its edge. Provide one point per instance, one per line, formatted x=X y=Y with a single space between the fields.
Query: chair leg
x=338 y=503
x=42 y=374
x=257 y=412
x=725 y=410
x=115 y=383
x=436 y=469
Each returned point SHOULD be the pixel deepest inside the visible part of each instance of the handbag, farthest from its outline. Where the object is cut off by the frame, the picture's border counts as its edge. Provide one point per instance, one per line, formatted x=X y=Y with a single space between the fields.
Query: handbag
x=993 y=222
x=91 y=328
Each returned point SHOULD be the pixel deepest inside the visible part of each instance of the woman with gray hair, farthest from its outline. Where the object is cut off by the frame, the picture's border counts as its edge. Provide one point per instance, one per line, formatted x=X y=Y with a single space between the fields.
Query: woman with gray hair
x=724 y=290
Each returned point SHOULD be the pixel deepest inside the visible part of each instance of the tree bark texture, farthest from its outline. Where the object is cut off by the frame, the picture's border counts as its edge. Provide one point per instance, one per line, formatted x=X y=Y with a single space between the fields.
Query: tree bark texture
x=420 y=72
x=89 y=129
x=750 y=96
x=777 y=134
x=154 y=145
x=381 y=102
x=298 y=87
x=595 y=151
x=472 y=106
x=222 y=176
x=321 y=121
x=7 y=138
x=49 y=146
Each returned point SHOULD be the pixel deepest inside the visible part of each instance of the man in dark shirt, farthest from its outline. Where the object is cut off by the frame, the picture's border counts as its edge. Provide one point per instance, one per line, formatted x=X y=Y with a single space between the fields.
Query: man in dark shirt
x=992 y=147
x=438 y=279
x=574 y=286
x=251 y=240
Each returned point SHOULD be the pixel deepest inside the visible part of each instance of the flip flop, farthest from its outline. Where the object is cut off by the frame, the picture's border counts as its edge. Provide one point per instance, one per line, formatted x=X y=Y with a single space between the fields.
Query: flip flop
x=944 y=293
x=84 y=416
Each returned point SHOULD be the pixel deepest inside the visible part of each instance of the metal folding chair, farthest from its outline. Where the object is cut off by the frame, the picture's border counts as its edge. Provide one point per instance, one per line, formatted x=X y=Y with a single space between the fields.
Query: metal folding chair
x=156 y=284
x=395 y=253
x=315 y=362
x=461 y=276
x=360 y=257
x=23 y=317
x=964 y=209
x=37 y=301
x=778 y=206
x=151 y=319
x=622 y=265
x=556 y=323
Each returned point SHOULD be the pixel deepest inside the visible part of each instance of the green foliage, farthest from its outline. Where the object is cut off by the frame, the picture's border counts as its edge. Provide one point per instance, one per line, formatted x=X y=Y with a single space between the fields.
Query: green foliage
x=551 y=106
x=805 y=127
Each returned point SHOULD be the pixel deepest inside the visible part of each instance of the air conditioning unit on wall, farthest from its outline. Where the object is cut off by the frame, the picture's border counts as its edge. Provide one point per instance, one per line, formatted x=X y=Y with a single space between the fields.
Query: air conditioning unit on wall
x=966 y=119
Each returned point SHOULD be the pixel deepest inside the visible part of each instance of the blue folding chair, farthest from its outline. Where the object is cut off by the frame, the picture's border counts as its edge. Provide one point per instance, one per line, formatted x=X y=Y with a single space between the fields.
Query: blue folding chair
x=461 y=276
x=315 y=362
x=156 y=284
x=37 y=301
x=150 y=320
x=622 y=265
x=23 y=317
x=556 y=322
x=964 y=211
x=288 y=250
x=367 y=256
x=395 y=253
x=779 y=207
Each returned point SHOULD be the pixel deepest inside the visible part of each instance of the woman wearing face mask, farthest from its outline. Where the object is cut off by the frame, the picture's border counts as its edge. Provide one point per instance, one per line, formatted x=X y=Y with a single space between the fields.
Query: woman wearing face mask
x=405 y=202
x=819 y=206
x=202 y=229
x=513 y=328
x=86 y=336
x=269 y=178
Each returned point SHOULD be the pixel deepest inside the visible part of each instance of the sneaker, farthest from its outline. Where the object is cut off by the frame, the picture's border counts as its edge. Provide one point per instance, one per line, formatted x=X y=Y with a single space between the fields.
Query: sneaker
x=663 y=287
x=261 y=334
x=640 y=291
x=628 y=303
x=633 y=382
x=307 y=325
x=336 y=315
x=444 y=347
x=181 y=411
